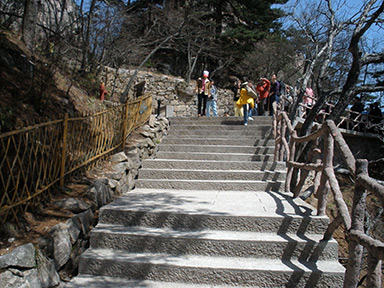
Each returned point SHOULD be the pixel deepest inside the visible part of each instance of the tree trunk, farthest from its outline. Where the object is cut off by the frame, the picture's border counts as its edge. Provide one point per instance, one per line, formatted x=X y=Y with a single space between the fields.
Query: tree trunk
x=29 y=24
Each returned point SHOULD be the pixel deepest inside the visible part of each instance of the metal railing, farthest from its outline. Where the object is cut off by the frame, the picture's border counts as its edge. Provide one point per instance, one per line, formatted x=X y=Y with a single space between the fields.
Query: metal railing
x=320 y=160
x=35 y=158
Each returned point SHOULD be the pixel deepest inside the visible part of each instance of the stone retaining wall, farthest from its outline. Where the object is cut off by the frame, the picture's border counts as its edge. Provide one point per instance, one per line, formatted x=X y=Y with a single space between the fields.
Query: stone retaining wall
x=171 y=91
x=55 y=259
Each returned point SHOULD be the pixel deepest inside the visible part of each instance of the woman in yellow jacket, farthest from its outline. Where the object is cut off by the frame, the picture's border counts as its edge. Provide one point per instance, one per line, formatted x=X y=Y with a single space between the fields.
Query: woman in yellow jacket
x=244 y=101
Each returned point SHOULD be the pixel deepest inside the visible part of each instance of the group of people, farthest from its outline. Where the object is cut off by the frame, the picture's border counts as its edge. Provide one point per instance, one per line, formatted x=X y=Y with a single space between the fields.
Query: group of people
x=357 y=114
x=206 y=96
x=246 y=97
x=265 y=96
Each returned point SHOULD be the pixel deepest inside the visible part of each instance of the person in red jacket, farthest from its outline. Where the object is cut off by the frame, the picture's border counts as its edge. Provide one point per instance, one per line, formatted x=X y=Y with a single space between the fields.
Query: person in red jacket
x=262 y=88
x=103 y=91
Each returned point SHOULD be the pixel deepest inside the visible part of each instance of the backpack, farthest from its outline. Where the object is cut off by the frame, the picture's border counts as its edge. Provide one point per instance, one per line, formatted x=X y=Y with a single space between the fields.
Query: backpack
x=252 y=93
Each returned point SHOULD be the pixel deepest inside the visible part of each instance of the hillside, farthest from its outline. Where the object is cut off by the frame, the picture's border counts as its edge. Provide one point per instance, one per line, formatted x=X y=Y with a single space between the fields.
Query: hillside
x=35 y=89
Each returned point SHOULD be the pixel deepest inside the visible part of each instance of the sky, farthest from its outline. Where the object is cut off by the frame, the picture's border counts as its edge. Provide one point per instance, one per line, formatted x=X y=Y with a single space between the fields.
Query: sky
x=374 y=35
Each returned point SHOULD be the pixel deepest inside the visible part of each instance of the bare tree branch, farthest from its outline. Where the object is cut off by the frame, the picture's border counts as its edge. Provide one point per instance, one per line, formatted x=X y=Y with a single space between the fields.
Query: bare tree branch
x=123 y=97
x=372 y=58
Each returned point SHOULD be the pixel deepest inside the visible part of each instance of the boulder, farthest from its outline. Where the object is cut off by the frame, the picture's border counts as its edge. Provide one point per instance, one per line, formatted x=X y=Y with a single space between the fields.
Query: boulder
x=73 y=230
x=13 y=278
x=134 y=156
x=99 y=193
x=22 y=256
x=47 y=273
x=119 y=157
x=32 y=277
x=72 y=204
x=84 y=221
x=62 y=245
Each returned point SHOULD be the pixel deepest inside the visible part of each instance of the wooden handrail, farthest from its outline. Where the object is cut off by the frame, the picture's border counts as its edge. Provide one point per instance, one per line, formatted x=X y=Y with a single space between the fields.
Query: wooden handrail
x=326 y=181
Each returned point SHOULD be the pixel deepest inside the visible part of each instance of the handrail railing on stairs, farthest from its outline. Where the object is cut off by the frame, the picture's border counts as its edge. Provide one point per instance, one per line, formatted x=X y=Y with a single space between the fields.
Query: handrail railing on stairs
x=320 y=160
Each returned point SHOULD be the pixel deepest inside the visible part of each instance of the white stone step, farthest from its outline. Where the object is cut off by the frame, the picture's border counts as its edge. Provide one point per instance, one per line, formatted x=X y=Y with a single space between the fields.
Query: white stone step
x=268 y=212
x=259 y=150
x=203 y=156
x=211 y=184
x=213 y=242
x=195 y=269
x=178 y=121
x=213 y=165
x=186 y=174
x=244 y=141
x=243 y=131
x=115 y=282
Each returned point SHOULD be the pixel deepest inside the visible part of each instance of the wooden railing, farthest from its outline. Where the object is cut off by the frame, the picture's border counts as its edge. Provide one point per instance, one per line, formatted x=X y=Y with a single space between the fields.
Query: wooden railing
x=35 y=158
x=360 y=122
x=320 y=160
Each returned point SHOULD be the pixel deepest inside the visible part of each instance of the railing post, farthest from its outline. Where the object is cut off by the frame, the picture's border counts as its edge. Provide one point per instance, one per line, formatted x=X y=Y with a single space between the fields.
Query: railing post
x=282 y=135
x=276 y=125
x=374 y=271
x=292 y=148
x=125 y=123
x=64 y=149
x=138 y=111
x=323 y=190
x=355 y=250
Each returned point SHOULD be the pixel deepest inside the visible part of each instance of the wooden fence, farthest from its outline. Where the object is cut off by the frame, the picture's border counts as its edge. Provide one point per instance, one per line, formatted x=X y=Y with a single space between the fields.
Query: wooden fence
x=320 y=160
x=35 y=158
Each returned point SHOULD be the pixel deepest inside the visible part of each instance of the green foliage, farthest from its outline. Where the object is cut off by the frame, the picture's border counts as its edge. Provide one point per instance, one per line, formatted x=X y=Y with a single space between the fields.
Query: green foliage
x=149 y=64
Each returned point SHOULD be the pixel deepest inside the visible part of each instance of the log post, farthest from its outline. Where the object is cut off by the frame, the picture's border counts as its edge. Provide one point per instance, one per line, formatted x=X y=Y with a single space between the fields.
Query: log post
x=355 y=250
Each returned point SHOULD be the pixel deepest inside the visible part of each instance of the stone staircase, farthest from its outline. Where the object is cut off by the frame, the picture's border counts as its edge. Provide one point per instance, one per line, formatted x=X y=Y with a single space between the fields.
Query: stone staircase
x=210 y=211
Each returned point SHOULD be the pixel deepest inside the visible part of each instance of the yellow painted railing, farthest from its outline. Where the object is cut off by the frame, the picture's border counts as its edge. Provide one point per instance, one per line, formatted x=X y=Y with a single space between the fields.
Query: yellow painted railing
x=35 y=158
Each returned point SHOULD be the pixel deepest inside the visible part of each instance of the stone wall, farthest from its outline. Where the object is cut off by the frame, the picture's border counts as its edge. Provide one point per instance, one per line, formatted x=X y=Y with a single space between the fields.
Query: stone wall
x=55 y=259
x=171 y=91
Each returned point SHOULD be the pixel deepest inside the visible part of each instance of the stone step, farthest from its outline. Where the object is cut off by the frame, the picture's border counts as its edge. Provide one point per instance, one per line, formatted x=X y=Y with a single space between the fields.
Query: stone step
x=266 y=212
x=213 y=165
x=114 y=282
x=214 y=185
x=245 y=141
x=260 y=150
x=214 y=156
x=214 y=243
x=233 y=134
x=187 y=174
x=178 y=121
x=238 y=128
x=210 y=270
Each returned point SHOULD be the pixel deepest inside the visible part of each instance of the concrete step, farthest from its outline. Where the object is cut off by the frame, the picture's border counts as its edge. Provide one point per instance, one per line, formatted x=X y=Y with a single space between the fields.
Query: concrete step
x=238 y=128
x=266 y=212
x=233 y=134
x=115 y=282
x=260 y=150
x=210 y=270
x=214 y=156
x=176 y=174
x=245 y=141
x=178 y=121
x=214 y=185
x=213 y=165
x=214 y=243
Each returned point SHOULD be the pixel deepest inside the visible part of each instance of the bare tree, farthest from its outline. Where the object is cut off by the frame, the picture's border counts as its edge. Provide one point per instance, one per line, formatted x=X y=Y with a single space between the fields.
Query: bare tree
x=368 y=17
x=324 y=30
